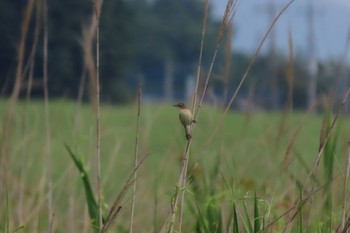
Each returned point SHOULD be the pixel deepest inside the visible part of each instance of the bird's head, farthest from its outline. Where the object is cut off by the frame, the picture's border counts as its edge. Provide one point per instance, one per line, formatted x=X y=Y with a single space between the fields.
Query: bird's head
x=180 y=105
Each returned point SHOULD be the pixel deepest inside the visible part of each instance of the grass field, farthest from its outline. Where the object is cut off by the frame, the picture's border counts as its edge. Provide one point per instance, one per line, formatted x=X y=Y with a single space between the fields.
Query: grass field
x=247 y=156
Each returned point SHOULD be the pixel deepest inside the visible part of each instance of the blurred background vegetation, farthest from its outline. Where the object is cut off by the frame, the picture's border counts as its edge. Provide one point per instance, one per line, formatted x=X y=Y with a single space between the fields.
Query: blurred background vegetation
x=255 y=157
x=155 y=41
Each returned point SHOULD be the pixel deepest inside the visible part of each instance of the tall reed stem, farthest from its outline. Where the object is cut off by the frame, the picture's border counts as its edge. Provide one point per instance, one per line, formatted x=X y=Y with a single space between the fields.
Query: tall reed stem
x=244 y=77
x=180 y=190
x=97 y=93
x=318 y=157
x=345 y=190
x=136 y=156
x=47 y=116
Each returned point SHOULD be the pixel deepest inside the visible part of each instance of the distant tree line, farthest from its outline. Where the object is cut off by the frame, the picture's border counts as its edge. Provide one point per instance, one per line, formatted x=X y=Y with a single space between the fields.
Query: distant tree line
x=155 y=41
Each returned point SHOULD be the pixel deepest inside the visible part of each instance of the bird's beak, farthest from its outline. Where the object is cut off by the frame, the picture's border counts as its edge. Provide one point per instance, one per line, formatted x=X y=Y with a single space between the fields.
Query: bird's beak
x=175 y=105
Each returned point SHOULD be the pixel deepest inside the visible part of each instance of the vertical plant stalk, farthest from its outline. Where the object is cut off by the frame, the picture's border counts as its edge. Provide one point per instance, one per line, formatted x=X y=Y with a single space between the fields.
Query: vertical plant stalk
x=89 y=35
x=118 y=205
x=47 y=116
x=345 y=190
x=31 y=60
x=290 y=72
x=5 y=137
x=244 y=77
x=30 y=68
x=21 y=51
x=228 y=58
x=229 y=12
x=290 y=83
x=51 y=224
x=318 y=157
x=136 y=156
x=183 y=178
x=97 y=93
x=205 y=16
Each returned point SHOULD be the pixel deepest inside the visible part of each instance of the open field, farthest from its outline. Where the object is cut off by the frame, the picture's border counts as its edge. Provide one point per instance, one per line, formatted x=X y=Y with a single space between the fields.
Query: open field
x=248 y=155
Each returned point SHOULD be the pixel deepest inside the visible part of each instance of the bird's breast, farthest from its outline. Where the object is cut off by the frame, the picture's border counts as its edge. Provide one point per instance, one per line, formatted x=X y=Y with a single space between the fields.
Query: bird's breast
x=185 y=116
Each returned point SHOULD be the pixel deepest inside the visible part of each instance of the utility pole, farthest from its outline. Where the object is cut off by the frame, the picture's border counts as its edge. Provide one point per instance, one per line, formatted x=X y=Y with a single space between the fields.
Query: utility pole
x=168 y=78
x=312 y=63
x=270 y=10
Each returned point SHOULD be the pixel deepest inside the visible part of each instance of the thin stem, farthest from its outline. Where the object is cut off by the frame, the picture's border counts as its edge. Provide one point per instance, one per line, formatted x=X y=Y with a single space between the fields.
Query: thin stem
x=136 y=156
x=345 y=190
x=206 y=7
x=221 y=121
x=47 y=116
x=318 y=157
x=98 y=137
x=183 y=177
x=117 y=205
x=229 y=13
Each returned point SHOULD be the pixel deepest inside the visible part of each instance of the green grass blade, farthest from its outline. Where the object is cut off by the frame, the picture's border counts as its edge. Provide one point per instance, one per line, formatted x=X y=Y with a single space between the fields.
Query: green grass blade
x=329 y=153
x=90 y=198
x=256 y=215
x=235 y=220
x=7 y=221
x=300 y=211
x=249 y=224
x=214 y=216
x=202 y=226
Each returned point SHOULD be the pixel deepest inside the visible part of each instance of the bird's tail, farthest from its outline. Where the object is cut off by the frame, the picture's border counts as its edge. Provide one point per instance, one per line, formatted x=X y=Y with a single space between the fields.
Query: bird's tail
x=188 y=132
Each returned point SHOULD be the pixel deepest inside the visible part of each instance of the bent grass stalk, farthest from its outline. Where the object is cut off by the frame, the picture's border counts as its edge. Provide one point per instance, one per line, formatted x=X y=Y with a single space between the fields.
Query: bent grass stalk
x=136 y=155
x=117 y=205
x=318 y=157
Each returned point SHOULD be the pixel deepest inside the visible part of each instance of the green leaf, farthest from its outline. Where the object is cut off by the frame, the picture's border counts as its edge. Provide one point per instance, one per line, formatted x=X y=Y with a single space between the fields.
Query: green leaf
x=235 y=220
x=249 y=226
x=90 y=198
x=256 y=214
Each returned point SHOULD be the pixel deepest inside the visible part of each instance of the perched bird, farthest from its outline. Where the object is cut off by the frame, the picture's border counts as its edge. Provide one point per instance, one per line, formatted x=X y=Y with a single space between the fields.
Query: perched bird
x=186 y=118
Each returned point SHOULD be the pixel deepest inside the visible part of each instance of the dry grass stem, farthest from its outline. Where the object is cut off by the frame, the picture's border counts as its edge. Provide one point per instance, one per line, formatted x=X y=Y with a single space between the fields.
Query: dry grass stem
x=290 y=71
x=318 y=157
x=117 y=205
x=172 y=213
x=194 y=101
x=297 y=207
x=21 y=51
x=228 y=58
x=287 y=160
x=290 y=84
x=136 y=156
x=31 y=59
x=345 y=190
x=229 y=13
x=97 y=7
x=89 y=35
x=221 y=120
x=47 y=115
x=9 y=116
x=30 y=69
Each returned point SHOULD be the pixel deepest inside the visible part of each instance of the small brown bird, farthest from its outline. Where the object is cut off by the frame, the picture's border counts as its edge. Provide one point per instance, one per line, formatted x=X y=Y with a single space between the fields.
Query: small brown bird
x=186 y=118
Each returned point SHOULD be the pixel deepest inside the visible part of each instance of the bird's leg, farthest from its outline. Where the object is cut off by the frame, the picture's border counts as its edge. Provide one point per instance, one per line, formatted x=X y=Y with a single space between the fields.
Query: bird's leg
x=188 y=132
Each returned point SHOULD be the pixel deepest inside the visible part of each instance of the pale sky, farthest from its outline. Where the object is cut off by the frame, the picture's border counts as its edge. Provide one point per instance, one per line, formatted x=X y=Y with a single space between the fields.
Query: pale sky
x=331 y=25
